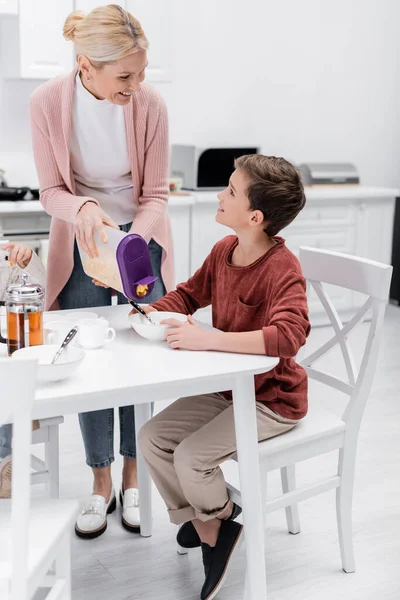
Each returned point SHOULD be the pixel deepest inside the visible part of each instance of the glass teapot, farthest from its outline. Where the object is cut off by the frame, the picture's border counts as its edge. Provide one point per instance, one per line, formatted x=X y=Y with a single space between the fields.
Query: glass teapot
x=24 y=303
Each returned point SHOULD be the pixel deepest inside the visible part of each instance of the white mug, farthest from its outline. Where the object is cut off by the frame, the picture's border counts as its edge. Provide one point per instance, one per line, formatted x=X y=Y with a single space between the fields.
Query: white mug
x=94 y=333
x=56 y=331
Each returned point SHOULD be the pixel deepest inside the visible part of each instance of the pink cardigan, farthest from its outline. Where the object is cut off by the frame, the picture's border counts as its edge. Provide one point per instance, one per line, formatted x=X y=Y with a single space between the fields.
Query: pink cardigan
x=147 y=136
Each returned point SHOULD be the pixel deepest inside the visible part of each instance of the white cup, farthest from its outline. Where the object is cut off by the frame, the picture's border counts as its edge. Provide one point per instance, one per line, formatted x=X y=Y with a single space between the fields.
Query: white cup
x=56 y=331
x=94 y=333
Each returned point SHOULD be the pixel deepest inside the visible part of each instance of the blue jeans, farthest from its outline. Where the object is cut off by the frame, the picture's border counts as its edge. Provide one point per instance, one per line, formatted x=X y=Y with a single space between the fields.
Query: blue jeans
x=97 y=427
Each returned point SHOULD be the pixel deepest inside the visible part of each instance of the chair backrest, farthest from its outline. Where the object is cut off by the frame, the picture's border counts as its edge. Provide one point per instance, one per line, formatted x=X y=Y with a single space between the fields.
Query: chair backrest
x=360 y=275
x=17 y=391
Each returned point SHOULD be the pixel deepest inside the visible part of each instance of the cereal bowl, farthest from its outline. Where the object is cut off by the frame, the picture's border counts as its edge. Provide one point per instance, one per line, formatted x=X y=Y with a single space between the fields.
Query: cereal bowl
x=66 y=364
x=154 y=332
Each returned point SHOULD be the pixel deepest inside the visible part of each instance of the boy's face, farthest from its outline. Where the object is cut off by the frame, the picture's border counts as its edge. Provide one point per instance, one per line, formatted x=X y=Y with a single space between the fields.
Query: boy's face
x=234 y=206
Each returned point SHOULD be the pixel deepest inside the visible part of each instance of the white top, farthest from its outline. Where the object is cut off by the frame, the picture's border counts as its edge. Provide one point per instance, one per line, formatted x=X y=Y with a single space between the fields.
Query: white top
x=99 y=154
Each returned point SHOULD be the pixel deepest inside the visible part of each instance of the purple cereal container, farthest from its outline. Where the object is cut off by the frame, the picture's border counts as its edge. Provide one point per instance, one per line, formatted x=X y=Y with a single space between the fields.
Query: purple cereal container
x=133 y=258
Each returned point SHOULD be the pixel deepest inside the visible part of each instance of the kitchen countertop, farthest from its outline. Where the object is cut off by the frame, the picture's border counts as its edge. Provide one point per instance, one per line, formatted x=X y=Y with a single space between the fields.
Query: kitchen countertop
x=23 y=206
x=323 y=192
x=350 y=192
x=34 y=206
x=184 y=198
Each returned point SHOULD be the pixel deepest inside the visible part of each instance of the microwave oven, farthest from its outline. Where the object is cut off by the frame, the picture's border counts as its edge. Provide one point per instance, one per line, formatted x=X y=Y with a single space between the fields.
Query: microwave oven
x=205 y=168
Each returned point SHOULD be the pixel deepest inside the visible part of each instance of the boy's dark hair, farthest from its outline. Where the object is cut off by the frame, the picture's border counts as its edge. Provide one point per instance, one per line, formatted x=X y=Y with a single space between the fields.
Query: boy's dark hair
x=275 y=188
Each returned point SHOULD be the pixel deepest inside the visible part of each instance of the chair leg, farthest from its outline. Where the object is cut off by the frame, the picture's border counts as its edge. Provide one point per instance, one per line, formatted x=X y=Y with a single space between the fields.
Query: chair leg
x=344 y=502
x=53 y=462
x=288 y=478
x=246 y=588
x=63 y=566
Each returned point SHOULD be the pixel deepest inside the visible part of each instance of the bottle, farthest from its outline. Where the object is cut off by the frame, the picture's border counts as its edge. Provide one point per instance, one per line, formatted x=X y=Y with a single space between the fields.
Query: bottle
x=24 y=312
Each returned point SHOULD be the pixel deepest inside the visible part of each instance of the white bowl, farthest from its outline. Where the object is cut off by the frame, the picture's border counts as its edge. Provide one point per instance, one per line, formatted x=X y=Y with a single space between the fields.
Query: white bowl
x=154 y=332
x=67 y=363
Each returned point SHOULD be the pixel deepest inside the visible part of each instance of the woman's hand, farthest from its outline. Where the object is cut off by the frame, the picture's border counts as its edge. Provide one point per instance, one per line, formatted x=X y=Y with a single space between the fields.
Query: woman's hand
x=187 y=336
x=19 y=254
x=89 y=219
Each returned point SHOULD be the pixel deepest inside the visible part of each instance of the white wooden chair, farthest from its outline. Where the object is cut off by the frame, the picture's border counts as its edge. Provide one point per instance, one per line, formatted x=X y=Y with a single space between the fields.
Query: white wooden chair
x=47 y=470
x=32 y=538
x=320 y=432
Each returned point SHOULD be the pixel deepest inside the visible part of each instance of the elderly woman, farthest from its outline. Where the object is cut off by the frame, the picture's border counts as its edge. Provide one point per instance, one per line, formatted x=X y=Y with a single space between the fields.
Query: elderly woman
x=100 y=140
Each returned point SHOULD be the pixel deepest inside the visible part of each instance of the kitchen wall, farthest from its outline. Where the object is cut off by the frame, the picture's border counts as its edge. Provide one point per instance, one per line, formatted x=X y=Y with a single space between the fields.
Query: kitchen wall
x=315 y=80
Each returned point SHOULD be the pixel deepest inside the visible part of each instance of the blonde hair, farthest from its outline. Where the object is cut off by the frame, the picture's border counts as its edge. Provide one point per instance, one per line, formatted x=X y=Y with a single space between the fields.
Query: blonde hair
x=105 y=35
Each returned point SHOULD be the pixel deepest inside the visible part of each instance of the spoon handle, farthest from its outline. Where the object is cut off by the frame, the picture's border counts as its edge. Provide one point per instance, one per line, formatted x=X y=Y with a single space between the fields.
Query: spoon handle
x=141 y=311
x=70 y=336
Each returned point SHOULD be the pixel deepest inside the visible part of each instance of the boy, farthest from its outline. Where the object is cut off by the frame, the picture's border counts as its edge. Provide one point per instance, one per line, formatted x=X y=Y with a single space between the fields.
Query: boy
x=258 y=297
x=20 y=258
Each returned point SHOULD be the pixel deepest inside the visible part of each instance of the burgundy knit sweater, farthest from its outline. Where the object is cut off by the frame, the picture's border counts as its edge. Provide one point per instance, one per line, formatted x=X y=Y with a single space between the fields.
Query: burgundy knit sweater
x=269 y=294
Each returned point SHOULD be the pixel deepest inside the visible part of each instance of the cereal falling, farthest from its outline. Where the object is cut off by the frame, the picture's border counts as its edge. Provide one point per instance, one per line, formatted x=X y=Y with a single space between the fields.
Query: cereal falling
x=141 y=290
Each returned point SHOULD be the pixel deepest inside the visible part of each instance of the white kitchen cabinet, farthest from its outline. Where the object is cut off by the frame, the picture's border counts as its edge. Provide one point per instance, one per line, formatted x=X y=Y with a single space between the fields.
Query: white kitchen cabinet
x=32 y=44
x=8 y=7
x=179 y=209
x=374 y=229
x=155 y=18
x=337 y=241
x=205 y=230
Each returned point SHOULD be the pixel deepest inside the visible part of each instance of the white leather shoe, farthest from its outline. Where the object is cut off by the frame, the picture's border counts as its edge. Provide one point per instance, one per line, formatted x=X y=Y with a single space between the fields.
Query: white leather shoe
x=130 y=509
x=92 y=521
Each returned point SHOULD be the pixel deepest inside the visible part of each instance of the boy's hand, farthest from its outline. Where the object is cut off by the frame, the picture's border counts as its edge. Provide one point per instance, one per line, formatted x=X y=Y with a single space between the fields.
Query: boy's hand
x=18 y=254
x=147 y=309
x=186 y=336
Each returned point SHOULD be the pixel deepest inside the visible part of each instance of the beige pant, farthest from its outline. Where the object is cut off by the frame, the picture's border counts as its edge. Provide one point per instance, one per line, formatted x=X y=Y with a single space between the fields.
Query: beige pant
x=184 y=445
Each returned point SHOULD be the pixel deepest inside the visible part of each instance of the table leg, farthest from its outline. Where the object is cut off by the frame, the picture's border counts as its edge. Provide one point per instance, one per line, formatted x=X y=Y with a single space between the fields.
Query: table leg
x=250 y=486
x=142 y=415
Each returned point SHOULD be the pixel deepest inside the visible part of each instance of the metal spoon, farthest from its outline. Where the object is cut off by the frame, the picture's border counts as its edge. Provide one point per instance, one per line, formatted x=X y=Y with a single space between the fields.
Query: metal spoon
x=141 y=311
x=70 y=336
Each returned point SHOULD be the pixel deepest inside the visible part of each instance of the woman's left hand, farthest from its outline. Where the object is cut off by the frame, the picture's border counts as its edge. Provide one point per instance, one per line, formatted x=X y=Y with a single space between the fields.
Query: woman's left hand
x=186 y=336
x=18 y=253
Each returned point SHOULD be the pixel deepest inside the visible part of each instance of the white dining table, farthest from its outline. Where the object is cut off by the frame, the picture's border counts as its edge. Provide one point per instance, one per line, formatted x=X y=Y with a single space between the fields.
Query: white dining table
x=132 y=370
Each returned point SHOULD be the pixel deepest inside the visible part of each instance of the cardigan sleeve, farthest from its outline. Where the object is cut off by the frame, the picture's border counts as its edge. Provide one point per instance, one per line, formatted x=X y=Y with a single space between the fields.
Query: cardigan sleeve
x=153 y=199
x=56 y=199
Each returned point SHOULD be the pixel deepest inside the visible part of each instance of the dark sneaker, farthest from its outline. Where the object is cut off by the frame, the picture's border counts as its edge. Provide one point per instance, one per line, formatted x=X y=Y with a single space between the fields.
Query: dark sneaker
x=216 y=560
x=187 y=536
